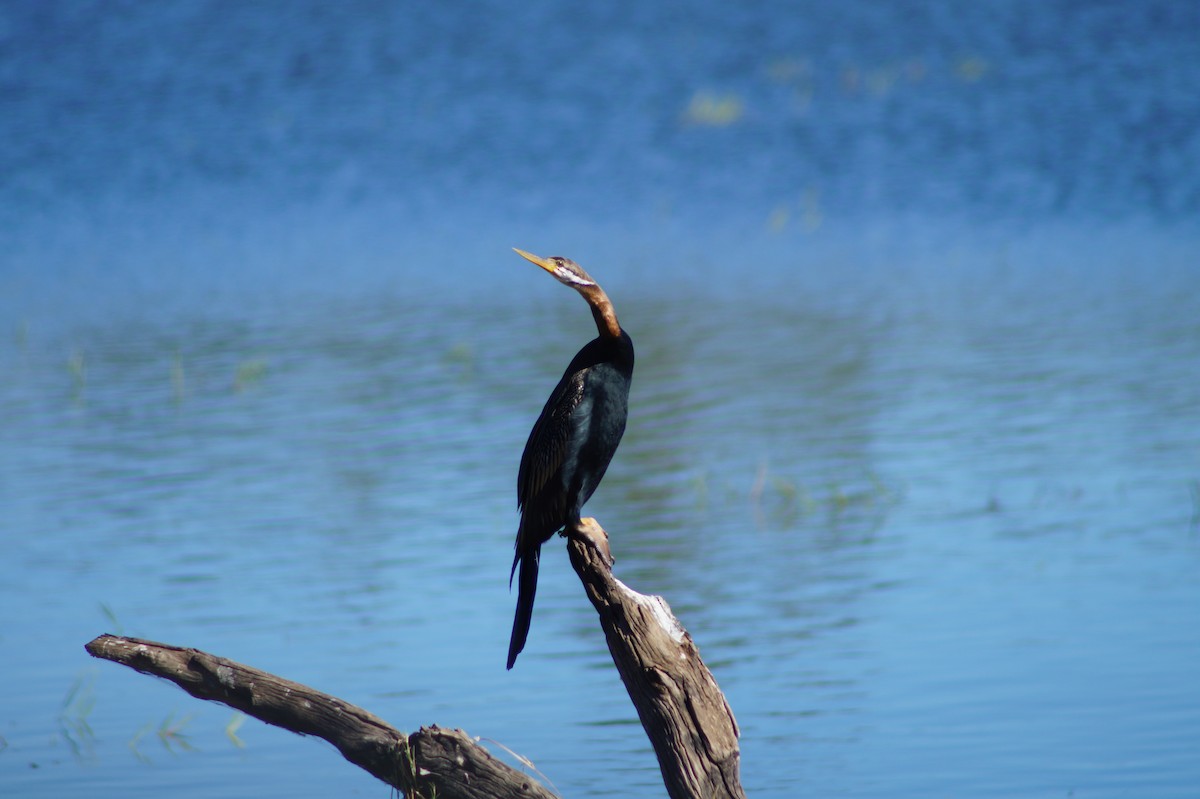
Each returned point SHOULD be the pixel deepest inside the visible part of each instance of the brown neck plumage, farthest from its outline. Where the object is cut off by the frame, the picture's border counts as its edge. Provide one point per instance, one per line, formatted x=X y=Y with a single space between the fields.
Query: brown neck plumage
x=603 y=312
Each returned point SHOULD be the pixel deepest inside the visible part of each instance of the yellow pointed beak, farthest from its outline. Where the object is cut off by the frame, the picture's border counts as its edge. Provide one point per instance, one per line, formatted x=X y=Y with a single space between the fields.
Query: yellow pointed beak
x=544 y=263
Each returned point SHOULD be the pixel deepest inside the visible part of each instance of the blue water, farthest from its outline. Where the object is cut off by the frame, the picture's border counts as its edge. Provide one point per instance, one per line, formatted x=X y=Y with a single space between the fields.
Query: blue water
x=914 y=447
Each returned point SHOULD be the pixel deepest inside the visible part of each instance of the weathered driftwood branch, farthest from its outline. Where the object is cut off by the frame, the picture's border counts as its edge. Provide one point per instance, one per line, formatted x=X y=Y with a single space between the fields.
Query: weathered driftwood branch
x=681 y=707
x=430 y=762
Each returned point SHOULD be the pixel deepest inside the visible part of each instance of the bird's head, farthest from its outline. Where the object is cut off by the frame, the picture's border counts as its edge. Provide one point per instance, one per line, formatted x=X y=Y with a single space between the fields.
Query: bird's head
x=566 y=270
x=571 y=274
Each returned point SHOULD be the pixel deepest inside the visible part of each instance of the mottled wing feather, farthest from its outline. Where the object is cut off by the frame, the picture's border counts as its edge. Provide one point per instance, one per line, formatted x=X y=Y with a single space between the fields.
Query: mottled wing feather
x=549 y=440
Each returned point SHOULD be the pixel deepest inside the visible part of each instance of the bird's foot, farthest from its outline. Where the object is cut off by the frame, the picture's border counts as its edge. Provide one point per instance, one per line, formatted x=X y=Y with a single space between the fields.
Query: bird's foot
x=591 y=533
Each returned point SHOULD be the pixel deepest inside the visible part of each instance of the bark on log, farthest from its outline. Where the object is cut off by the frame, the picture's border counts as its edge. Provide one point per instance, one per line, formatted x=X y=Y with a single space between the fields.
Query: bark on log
x=430 y=762
x=682 y=709
x=691 y=726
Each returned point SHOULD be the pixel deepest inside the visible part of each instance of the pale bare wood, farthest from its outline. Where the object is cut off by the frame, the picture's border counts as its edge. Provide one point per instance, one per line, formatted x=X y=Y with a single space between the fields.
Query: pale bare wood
x=683 y=711
x=430 y=762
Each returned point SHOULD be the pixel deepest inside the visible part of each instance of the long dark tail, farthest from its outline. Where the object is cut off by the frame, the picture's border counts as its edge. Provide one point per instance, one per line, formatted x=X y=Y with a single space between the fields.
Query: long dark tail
x=526 y=591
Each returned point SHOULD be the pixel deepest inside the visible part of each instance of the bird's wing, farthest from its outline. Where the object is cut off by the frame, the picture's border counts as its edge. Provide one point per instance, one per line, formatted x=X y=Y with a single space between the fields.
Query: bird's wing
x=550 y=439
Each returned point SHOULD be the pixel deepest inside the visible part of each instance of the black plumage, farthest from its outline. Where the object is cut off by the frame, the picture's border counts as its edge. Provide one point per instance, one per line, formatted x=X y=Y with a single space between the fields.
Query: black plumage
x=573 y=440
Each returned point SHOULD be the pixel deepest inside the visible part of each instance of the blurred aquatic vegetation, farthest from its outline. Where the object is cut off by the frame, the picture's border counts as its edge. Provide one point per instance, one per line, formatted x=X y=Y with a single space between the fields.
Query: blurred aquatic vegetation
x=462 y=358
x=811 y=215
x=778 y=218
x=232 y=728
x=809 y=81
x=1194 y=525
x=971 y=68
x=790 y=70
x=178 y=378
x=107 y=611
x=170 y=733
x=808 y=213
x=713 y=110
x=249 y=374
x=77 y=367
x=77 y=706
x=778 y=500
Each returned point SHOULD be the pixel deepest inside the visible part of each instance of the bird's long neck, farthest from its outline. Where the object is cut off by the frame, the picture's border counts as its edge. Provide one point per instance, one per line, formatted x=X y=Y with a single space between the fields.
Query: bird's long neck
x=604 y=313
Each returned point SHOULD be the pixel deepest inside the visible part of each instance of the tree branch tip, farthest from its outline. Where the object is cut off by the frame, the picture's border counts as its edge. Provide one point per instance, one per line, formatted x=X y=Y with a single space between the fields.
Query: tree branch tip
x=590 y=533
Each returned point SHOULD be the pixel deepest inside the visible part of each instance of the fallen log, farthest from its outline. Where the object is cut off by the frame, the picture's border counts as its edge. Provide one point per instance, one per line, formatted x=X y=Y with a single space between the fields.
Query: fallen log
x=682 y=710
x=430 y=762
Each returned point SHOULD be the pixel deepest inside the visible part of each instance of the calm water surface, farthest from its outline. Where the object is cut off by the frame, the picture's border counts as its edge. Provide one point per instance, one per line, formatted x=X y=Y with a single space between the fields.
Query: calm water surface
x=914 y=447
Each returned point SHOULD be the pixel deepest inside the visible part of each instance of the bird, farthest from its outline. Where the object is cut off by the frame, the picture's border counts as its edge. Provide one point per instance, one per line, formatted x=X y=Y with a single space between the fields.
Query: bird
x=573 y=440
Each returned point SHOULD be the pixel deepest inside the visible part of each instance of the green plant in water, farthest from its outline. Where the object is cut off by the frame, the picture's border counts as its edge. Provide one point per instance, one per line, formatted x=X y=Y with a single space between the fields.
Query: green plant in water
x=716 y=110
x=178 y=378
x=77 y=366
x=233 y=726
x=73 y=723
x=117 y=627
x=1195 y=522
x=785 y=501
x=700 y=483
x=839 y=500
x=136 y=739
x=249 y=374
x=170 y=732
x=460 y=353
x=410 y=773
